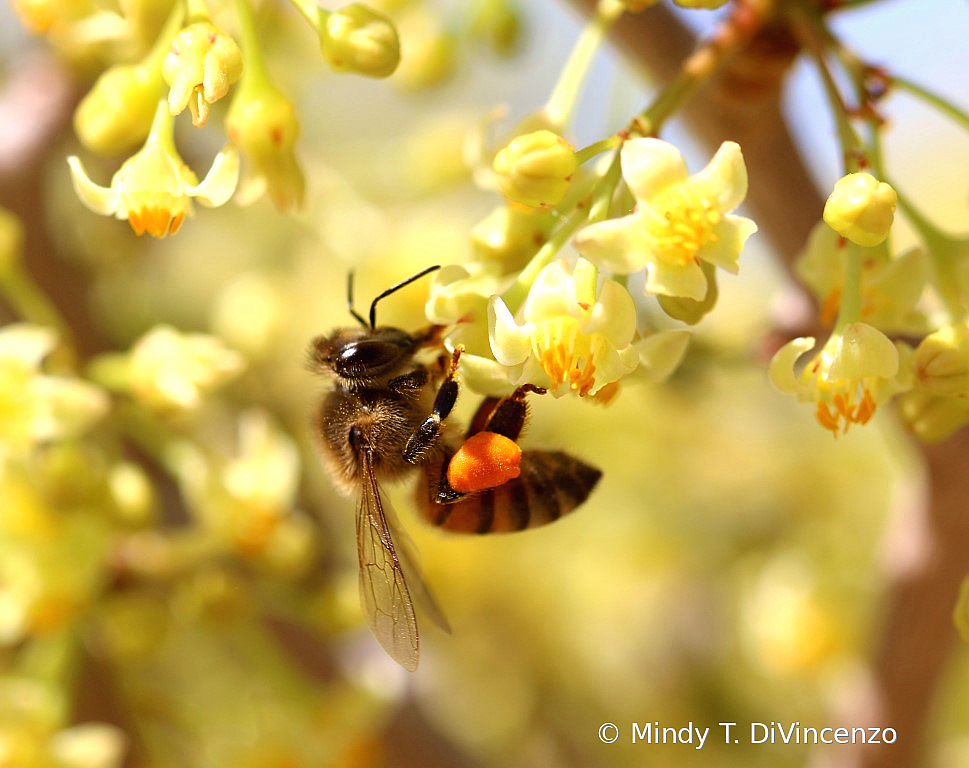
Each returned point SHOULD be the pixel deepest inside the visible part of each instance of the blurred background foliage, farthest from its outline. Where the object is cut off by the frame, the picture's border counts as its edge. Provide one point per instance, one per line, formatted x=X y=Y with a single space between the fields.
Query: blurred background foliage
x=733 y=564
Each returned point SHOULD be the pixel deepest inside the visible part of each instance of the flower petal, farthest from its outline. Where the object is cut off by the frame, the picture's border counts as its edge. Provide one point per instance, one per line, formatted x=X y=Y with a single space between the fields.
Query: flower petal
x=221 y=180
x=615 y=244
x=651 y=165
x=26 y=344
x=671 y=279
x=864 y=352
x=723 y=249
x=724 y=180
x=781 y=371
x=101 y=200
x=510 y=343
x=613 y=315
x=660 y=353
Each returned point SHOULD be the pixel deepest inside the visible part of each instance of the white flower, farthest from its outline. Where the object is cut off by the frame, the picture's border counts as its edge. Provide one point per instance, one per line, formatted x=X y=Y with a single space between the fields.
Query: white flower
x=571 y=336
x=679 y=220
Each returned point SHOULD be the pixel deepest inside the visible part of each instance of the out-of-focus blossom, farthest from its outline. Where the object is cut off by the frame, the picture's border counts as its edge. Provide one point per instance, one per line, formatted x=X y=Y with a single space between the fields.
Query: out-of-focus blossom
x=170 y=370
x=890 y=286
x=358 y=39
x=32 y=733
x=679 y=220
x=262 y=123
x=35 y=407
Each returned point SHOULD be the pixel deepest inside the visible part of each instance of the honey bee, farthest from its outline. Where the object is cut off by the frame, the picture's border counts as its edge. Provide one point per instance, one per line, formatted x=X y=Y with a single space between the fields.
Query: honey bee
x=385 y=417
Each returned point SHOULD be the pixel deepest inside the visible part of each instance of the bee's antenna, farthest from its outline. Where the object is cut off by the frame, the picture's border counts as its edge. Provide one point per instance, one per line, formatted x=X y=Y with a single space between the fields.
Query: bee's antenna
x=353 y=312
x=385 y=294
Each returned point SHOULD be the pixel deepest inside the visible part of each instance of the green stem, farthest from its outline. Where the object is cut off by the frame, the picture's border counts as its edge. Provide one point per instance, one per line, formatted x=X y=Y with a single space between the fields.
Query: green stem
x=930 y=97
x=198 y=11
x=939 y=246
x=708 y=59
x=812 y=38
x=315 y=15
x=850 y=309
x=600 y=197
x=561 y=102
x=587 y=153
x=515 y=295
x=156 y=56
x=254 y=72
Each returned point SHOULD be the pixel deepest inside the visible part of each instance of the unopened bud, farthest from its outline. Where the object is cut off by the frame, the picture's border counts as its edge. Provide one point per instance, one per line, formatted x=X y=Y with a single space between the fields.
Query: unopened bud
x=535 y=169
x=358 y=39
x=861 y=209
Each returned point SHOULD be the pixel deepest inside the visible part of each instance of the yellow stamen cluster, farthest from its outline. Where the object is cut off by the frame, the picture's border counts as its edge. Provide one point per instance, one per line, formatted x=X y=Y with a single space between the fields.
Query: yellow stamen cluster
x=555 y=349
x=843 y=411
x=682 y=224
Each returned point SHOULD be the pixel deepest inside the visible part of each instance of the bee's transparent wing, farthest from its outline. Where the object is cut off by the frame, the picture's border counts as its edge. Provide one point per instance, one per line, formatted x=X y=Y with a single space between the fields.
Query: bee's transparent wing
x=419 y=590
x=383 y=587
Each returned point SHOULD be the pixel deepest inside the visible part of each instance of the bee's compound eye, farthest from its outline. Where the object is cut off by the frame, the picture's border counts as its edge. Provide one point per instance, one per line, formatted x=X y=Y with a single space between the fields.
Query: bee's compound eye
x=367 y=357
x=486 y=460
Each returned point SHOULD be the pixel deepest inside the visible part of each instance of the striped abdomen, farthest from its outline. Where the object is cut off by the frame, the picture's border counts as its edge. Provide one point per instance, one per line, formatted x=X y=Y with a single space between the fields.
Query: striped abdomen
x=551 y=484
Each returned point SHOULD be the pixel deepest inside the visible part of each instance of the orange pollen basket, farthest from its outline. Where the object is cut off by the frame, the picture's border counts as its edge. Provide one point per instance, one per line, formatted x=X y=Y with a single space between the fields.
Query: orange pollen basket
x=486 y=460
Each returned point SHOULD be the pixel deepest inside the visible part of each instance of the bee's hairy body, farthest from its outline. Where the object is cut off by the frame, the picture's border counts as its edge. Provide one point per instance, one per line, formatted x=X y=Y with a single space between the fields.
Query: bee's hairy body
x=386 y=416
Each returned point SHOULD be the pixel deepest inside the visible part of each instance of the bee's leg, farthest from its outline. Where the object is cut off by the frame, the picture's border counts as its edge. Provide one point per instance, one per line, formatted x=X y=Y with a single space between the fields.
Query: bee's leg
x=425 y=436
x=505 y=417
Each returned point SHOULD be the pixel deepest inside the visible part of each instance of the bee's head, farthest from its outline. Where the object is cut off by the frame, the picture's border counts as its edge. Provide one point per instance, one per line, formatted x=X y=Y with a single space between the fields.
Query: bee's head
x=360 y=357
x=366 y=355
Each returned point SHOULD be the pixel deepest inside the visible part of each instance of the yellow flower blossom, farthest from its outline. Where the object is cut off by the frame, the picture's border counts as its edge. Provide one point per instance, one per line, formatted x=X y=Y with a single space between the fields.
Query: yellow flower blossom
x=262 y=123
x=679 y=220
x=154 y=188
x=847 y=379
x=572 y=337
x=35 y=407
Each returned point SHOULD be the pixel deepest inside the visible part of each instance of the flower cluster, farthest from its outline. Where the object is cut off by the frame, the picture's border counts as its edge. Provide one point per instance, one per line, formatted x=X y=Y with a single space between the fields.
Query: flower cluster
x=193 y=63
x=528 y=314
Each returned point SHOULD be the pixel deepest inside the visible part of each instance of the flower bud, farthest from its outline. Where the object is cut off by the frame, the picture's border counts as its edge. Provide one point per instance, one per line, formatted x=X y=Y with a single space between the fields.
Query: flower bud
x=173 y=371
x=117 y=113
x=262 y=122
x=861 y=209
x=200 y=66
x=535 y=169
x=941 y=362
x=358 y=39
